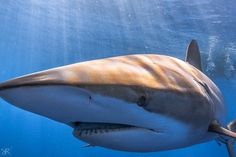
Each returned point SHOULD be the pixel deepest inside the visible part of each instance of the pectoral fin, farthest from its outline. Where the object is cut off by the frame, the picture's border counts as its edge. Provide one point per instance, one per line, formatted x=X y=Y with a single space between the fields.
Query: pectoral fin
x=230 y=148
x=229 y=135
x=215 y=127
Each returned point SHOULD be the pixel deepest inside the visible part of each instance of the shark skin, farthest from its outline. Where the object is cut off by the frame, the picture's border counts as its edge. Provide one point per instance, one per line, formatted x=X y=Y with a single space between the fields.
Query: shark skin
x=138 y=103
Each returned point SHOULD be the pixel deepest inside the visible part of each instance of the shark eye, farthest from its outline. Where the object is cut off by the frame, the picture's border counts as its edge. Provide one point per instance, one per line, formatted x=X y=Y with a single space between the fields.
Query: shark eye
x=142 y=101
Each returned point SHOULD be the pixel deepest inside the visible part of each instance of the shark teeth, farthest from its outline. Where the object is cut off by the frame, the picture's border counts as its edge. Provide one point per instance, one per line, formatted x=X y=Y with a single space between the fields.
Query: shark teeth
x=87 y=129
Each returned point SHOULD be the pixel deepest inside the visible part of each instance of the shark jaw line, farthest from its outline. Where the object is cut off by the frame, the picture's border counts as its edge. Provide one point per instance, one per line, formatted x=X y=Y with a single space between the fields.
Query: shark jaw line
x=90 y=128
x=118 y=136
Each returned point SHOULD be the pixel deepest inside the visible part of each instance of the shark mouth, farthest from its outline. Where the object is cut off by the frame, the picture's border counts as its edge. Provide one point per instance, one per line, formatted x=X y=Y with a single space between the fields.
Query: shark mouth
x=118 y=136
x=88 y=128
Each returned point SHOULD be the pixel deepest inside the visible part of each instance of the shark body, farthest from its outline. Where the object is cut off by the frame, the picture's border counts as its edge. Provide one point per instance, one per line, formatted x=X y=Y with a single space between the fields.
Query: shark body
x=140 y=103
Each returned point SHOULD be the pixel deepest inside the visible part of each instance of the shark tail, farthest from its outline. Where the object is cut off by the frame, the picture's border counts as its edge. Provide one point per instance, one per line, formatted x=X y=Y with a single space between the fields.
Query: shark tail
x=227 y=135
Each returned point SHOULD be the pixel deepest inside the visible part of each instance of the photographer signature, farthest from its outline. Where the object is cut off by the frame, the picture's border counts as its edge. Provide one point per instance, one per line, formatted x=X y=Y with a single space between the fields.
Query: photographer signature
x=5 y=152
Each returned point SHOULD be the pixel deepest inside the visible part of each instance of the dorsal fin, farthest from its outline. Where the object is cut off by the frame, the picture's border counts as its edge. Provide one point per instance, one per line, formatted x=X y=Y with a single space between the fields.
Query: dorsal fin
x=193 y=55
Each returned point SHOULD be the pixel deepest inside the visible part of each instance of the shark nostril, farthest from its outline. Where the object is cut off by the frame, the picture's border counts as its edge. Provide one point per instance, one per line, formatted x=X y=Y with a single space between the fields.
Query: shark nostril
x=142 y=101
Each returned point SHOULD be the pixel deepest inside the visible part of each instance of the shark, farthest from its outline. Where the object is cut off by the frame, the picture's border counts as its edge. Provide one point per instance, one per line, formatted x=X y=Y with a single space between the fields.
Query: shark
x=136 y=103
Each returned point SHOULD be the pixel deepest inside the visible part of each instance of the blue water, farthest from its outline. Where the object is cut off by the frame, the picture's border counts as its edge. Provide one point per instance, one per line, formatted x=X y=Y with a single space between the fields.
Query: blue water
x=37 y=35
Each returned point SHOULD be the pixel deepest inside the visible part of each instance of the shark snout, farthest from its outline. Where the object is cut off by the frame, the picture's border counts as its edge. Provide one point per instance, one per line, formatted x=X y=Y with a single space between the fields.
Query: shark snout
x=53 y=93
x=49 y=77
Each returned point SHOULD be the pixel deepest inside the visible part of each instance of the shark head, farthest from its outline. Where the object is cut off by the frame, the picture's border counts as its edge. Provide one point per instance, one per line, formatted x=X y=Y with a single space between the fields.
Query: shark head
x=133 y=103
